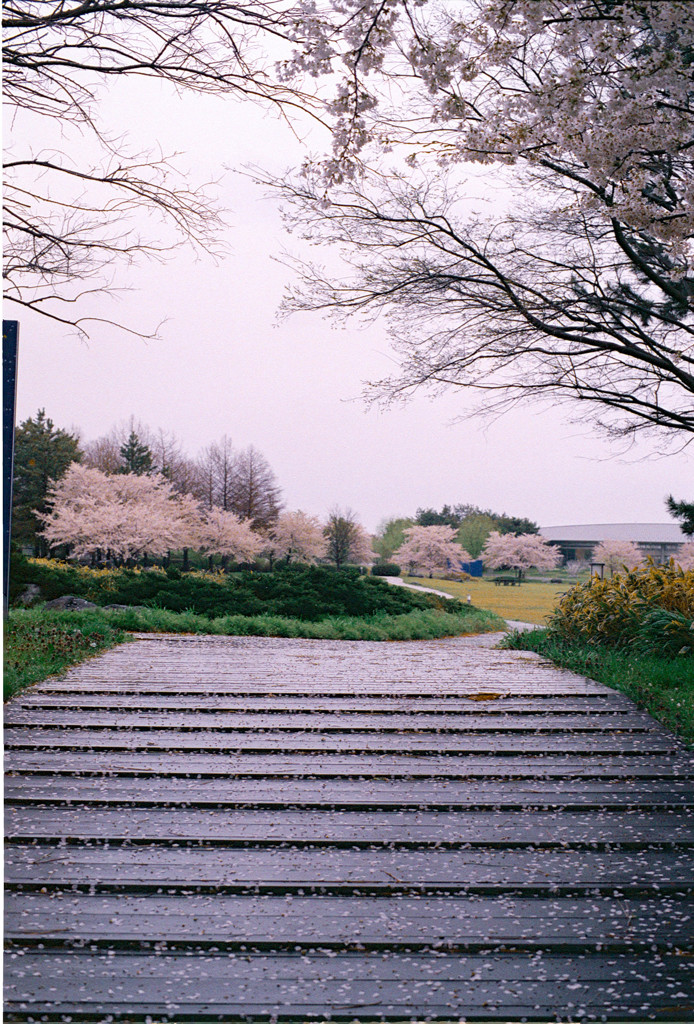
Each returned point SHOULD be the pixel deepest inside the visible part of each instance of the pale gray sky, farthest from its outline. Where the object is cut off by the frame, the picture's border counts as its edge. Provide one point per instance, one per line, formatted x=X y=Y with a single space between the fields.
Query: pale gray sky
x=223 y=364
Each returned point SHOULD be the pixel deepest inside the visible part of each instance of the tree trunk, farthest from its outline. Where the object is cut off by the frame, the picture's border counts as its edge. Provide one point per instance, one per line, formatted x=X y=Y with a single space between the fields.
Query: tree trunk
x=186 y=564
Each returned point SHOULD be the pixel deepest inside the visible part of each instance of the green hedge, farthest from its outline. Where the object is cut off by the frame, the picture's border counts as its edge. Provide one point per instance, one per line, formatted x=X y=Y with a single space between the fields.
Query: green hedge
x=308 y=593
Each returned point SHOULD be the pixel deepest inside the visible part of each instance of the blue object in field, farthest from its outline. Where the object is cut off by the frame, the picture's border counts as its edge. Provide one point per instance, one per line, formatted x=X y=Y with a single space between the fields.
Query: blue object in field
x=473 y=568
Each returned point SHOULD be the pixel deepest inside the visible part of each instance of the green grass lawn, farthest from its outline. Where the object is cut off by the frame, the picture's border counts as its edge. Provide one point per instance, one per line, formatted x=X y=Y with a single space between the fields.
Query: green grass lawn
x=532 y=601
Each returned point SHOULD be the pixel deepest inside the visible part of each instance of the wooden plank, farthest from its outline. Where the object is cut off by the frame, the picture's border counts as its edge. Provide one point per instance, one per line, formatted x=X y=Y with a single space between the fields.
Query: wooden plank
x=194 y=685
x=186 y=763
x=291 y=826
x=351 y=922
x=288 y=868
x=217 y=721
x=500 y=987
x=115 y=740
x=361 y=793
x=489 y=704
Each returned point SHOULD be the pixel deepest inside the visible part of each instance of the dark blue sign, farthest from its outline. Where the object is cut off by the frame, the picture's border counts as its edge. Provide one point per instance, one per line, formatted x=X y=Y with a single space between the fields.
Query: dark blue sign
x=10 y=338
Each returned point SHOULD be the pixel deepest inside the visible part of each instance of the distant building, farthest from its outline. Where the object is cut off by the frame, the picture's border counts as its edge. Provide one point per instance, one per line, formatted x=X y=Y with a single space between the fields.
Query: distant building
x=659 y=540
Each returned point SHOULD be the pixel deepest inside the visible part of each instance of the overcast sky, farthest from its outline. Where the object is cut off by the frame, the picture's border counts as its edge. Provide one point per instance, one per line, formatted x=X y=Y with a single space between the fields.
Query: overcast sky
x=223 y=364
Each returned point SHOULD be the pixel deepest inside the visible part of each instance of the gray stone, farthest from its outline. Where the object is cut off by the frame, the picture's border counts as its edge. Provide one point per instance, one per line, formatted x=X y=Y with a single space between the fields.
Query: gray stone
x=69 y=602
x=30 y=595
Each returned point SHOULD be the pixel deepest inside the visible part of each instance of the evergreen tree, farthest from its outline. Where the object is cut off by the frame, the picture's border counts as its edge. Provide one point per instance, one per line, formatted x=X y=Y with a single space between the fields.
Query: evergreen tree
x=684 y=511
x=42 y=454
x=456 y=515
x=136 y=456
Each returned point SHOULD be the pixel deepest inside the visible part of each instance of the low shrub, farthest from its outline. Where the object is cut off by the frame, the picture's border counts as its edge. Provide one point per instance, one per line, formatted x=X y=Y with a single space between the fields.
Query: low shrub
x=385 y=569
x=419 y=624
x=306 y=592
x=648 y=608
x=665 y=634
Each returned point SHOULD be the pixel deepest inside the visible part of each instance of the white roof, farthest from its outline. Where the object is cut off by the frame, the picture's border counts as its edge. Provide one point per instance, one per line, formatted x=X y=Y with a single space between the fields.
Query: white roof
x=640 y=533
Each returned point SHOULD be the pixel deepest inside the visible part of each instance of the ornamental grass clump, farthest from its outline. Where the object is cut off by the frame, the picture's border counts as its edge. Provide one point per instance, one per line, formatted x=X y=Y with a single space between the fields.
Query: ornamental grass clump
x=648 y=609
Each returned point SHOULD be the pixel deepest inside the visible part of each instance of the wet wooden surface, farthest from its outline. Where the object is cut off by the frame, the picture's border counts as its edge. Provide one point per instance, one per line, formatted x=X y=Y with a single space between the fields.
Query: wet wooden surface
x=241 y=828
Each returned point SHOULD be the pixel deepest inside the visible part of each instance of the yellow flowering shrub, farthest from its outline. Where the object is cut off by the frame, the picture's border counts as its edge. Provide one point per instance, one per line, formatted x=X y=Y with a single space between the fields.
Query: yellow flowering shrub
x=612 y=611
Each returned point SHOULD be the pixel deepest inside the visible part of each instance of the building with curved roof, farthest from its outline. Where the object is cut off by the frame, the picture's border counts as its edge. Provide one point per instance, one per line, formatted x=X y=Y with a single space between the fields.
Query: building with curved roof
x=660 y=541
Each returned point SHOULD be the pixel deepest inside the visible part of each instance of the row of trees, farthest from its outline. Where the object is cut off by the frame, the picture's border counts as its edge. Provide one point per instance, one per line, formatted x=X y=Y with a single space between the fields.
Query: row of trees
x=221 y=476
x=120 y=517
x=436 y=549
x=471 y=525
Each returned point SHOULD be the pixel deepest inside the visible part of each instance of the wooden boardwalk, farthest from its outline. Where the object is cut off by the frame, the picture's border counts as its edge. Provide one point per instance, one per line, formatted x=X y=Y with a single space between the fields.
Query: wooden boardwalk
x=232 y=829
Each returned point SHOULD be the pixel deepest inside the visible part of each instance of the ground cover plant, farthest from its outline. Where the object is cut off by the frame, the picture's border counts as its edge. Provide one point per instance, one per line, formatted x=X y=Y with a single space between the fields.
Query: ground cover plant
x=634 y=632
x=40 y=643
x=530 y=602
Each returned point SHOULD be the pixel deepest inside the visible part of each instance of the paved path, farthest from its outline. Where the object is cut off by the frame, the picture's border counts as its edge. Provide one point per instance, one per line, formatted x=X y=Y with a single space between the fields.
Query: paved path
x=212 y=828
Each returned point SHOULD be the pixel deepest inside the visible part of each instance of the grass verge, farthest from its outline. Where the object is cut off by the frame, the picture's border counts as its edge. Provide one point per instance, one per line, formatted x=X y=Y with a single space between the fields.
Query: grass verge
x=530 y=602
x=40 y=643
x=663 y=686
x=421 y=624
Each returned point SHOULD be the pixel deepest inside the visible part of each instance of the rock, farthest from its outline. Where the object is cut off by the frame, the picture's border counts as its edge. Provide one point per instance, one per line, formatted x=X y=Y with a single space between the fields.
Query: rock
x=70 y=603
x=30 y=595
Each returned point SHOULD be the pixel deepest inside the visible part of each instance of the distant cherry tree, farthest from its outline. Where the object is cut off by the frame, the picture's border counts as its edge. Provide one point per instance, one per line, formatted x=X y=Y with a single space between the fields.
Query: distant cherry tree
x=430 y=549
x=119 y=517
x=617 y=554
x=297 y=537
x=223 y=533
x=528 y=551
x=685 y=556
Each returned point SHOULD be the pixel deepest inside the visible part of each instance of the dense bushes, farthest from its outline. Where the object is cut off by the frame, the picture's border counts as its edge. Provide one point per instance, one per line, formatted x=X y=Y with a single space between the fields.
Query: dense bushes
x=309 y=593
x=648 y=609
x=385 y=569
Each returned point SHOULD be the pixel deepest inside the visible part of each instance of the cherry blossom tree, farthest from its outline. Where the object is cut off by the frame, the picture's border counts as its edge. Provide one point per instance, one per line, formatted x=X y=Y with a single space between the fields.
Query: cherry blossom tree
x=685 y=556
x=223 y=533
x=526 y=551
x=580 y=287
x=122 y=516
x=297 y=537
x=430 y=549
x=617 y=554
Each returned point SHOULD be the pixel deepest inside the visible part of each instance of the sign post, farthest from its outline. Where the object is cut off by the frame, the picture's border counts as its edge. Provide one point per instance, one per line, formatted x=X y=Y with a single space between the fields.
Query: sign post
x=10 y=338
